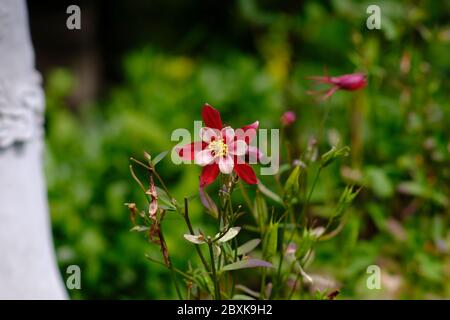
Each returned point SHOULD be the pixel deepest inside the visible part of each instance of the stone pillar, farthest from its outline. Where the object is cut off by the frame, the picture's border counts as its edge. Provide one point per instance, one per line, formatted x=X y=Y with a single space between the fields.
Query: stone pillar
x=28 y=268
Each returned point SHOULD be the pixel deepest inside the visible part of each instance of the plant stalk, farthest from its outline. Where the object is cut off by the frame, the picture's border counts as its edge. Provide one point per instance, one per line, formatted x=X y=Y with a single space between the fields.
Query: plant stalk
x=213 y=267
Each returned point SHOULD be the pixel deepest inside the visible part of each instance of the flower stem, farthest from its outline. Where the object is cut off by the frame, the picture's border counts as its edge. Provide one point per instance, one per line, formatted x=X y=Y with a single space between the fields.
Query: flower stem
x=152 y=170
x=169 y=263
x=174 y=279
x=183 y=274
x=291 y=293
x=139 y=182
x=305 y=205
x=262 y=292
x=296 y=223
x=213 y=267
x=246 y=197
x=191 y=230
x=280 y=262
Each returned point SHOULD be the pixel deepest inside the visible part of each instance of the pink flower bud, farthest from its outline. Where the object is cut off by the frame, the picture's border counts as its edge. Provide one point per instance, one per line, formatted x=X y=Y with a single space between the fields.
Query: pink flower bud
x=348 y=82
x=288 y=118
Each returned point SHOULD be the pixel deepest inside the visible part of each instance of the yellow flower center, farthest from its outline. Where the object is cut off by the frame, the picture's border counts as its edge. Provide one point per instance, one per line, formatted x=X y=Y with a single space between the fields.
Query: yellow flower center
x=218 y=148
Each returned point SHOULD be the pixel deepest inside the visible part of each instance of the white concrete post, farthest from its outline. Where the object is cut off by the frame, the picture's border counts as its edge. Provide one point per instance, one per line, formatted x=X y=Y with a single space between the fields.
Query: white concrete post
x=28 y=268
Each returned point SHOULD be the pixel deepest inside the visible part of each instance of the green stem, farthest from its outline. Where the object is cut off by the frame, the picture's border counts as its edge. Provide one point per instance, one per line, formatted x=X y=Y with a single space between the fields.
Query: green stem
x=169 y=264
x=293 y=287
x=235 y=257
x=262 y=292
x=161 y=237
x=280 y=262
x=139 y=182
x=297 y=222
x=191 y=231
x=164 y=186
x=305 y=205
x=183 y=274
x=174 y=279
x=213 y=267
x=233 y=284
x=228 y=206
x=246 y=197
x=152 y=170
x=323 y=122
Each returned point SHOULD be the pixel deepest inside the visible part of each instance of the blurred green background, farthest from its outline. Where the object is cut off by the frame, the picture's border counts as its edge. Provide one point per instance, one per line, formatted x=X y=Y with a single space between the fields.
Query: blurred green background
x=140 y=69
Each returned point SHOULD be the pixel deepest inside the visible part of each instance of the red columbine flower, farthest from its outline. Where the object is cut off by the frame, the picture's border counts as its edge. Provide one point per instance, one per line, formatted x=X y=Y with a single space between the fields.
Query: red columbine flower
x=222 y=149
x=349 y=82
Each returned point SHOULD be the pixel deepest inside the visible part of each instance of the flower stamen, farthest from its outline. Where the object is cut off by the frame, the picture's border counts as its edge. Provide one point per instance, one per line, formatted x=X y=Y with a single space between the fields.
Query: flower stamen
x=218 y=148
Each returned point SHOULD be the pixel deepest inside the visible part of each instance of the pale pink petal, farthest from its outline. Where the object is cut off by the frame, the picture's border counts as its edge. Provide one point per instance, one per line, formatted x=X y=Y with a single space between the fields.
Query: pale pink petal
x=239 y=160
x=204 y=158
x=237 y=148
x=226 y=164
x=227 y=134
x=208 y=134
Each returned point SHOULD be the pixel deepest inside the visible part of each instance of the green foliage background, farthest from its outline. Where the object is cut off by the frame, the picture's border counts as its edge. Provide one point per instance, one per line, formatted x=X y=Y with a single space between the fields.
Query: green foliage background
x=398 y=129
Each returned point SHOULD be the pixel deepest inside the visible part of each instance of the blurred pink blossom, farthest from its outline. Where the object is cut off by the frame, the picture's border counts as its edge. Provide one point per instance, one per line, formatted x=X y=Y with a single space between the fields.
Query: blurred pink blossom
x=288 y=118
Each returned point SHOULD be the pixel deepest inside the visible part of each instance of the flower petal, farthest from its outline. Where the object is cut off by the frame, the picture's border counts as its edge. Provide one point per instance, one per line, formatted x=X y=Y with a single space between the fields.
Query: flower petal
x=230 y=234
x=350 y=82
x=248 y=132
x=254 y=126
x=254 y=154
x=211 y=117
x=199 y=239
x=188 y=151
x=237 y=148
x=209 y=174
x=204 y=158
x=208 y=134
x=246 y=173
x=227 y=134
x=208 y=203
x=226 y=164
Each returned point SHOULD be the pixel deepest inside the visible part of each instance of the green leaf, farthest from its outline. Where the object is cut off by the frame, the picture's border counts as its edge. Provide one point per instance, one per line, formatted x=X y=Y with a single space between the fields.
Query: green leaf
x=164 y=201
x=139 y=228
x=159 y=157
x=248 y=246
x=424 y=191
x=260 y=210
x=347 y=197
x=246 y=264
x=268 y=193
x=166 y=207
x=242 y=297
x=379 y=182
x=283 y=168
x=292 y=186
x=270 y=241
x=334 y=153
